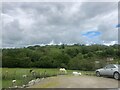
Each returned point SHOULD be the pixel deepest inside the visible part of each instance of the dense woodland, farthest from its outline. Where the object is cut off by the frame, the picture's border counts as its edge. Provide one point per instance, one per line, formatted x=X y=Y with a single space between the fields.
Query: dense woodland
x=77 y=57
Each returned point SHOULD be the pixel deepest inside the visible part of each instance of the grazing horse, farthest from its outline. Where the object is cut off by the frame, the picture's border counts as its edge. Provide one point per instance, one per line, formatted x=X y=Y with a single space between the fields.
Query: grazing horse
x=63 y=70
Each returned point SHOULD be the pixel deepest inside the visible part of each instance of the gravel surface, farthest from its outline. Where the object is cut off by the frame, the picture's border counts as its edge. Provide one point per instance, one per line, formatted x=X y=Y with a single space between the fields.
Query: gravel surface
x=65 y=81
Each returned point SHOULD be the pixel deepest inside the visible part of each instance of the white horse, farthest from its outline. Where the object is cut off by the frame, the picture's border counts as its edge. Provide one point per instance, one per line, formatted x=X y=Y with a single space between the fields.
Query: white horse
x=63 y=70
x=77 y=73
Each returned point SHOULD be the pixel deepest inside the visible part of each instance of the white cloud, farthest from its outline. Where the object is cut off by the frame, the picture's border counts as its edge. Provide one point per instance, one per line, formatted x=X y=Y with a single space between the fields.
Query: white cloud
x=110 y=43
x=6 y=18
x=40 y=23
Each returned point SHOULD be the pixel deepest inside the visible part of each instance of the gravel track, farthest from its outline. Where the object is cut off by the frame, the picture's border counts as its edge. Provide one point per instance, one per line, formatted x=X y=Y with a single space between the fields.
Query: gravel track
x=66 y=81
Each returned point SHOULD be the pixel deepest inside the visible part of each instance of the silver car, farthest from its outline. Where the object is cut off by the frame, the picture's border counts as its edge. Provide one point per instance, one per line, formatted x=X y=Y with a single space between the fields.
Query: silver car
x=109 y=70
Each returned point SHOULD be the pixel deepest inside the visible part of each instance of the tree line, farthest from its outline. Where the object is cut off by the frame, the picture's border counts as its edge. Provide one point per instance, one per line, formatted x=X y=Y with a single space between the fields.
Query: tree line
x=77 y=57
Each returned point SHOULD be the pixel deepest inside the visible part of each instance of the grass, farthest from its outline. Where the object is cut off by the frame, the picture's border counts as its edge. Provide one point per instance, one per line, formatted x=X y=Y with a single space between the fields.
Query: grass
x=9 y=74
x=0 y=78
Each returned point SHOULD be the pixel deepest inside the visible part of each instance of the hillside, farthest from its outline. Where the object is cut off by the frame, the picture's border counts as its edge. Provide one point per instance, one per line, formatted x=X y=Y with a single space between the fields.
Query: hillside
x=55 y=56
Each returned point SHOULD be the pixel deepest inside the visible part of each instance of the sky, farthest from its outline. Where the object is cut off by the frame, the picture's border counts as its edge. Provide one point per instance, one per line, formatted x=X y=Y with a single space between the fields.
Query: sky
x=51 y=23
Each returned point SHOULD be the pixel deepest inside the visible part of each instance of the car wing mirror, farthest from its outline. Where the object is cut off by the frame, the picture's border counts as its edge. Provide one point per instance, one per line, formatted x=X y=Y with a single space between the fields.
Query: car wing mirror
x=105 y=67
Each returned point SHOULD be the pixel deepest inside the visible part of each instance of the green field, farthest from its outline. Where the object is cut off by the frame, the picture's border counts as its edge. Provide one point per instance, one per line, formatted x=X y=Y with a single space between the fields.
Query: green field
x=9 y=74
x=0 y=78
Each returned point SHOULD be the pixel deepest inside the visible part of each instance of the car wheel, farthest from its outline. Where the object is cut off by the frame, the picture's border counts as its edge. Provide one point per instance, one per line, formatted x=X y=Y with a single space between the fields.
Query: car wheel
x=116 y=75
x=98 y=74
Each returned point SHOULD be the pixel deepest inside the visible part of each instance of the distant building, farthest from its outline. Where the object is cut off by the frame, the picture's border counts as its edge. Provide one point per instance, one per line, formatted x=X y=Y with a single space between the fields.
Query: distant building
x=109 y=59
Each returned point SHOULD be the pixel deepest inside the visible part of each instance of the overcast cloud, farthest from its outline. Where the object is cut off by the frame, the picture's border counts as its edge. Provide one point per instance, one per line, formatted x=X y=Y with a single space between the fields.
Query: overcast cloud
x=31 y=23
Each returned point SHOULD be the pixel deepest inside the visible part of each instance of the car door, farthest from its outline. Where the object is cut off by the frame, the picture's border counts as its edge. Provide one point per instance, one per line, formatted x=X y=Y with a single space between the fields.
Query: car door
x=109 y=70
x=103 y=71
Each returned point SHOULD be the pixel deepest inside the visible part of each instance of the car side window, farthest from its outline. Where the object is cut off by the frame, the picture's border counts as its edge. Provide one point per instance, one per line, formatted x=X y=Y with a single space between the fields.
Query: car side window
x=110 y=66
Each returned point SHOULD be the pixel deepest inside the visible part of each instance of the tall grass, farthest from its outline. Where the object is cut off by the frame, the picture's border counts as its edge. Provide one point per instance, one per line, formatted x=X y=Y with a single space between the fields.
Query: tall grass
x=9 y=74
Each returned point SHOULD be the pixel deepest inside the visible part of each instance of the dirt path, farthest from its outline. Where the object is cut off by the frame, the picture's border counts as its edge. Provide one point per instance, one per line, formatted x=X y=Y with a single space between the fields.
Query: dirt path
x=77 y=82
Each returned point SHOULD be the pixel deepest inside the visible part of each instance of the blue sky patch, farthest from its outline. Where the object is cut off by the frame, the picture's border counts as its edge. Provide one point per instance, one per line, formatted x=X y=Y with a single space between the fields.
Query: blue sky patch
x=92 y=34
x=117 y=26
